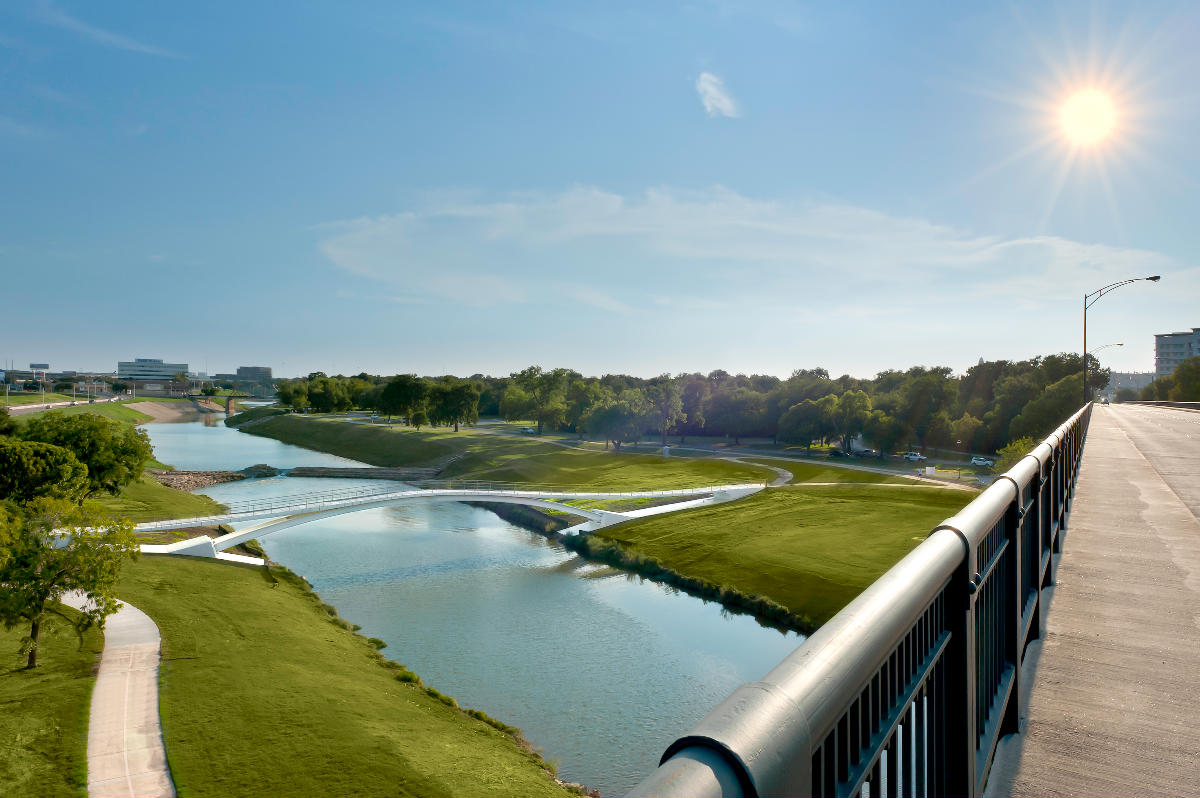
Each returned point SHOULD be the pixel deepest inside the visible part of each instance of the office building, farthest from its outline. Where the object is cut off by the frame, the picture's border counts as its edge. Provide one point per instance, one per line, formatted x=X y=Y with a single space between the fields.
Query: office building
x=259 y=374
x=149 y=369
x=1171 y=349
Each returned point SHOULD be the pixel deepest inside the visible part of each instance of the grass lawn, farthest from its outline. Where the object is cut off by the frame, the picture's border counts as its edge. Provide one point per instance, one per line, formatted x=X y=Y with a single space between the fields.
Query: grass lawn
x=148 y=500
x=44 y=712
x=17 y=399
x=262 y=694
x=110 y=410
x=823 y=472
x=812 y=549
x=470 y=454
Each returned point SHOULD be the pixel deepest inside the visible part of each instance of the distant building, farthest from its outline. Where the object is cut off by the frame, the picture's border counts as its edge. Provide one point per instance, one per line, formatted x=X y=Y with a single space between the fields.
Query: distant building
x=1134 y=380
x=225 y=377
x=1170 y=349
x=259 y=374
x=149 y=370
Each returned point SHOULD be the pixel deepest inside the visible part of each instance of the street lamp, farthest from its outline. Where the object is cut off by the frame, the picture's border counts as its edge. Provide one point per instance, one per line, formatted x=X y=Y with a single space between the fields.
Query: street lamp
x=1091 y=299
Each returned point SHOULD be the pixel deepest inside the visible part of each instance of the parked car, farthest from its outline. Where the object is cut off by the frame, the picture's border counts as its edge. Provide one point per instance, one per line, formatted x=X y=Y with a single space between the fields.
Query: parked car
x=528 y=431
x=838 y=453
x=982 y=461
x=866 y=453
x=913 y=457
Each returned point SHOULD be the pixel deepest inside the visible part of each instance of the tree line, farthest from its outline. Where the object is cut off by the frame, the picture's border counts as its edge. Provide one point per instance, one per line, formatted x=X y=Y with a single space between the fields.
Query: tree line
x=994 y=403
x=1181 y=385
x=53 y=539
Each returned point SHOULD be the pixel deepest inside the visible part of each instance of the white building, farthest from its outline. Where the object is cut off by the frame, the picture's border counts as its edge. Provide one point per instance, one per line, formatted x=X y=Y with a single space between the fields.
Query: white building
x=149 y=369
x=1170 y=349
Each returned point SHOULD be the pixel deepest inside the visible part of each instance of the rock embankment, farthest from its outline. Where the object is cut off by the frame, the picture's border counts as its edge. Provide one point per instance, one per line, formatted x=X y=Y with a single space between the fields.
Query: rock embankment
x=194 y=480
x=395 y=474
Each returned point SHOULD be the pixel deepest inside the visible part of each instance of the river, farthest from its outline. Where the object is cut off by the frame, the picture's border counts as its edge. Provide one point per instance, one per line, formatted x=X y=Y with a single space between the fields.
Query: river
x=601 y=670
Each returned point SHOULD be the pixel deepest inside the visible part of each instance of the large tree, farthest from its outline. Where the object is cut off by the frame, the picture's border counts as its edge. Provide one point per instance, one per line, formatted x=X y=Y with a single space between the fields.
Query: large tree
x=403 y=395
x=547 y=394
x=453 y=403
x=621 y=418
x=55 y=546
x=736 y=411
x=32 y=469
x=114 y=454
x=853 y=408
x=800 y=423
x=667 y=398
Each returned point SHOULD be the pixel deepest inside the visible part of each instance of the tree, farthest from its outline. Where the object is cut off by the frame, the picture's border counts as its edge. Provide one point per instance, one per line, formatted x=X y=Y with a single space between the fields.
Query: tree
x=31 y=469
x=581 y=396
x=418 y=418
x=546 y=391
x=1126 y=395
x=403 y=395
x=801 y=423
x=736 y=411
x=621 y=418
x=694 y=396
x=55 y=546
x=853 y=408
x=1013 y=453
x=7 y=425
x=667 y=399
x=964 y=431
x=1187 y=381
x=209 y=390
x=1039 y=418
x=114 y=454
x=516 y=405
x=453 y=403
x=886 y=432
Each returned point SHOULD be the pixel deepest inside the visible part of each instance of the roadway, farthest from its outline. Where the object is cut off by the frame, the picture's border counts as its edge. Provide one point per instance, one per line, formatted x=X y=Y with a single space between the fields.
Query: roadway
x=1110 y=703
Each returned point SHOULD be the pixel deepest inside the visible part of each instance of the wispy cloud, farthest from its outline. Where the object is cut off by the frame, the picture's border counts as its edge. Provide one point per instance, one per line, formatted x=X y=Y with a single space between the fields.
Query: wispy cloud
x=715 y=97
x=701 y=250
x=47 y=12
x=11 y=127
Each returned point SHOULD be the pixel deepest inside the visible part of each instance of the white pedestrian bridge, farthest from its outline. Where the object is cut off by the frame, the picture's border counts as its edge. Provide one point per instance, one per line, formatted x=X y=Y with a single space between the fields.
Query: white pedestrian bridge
x=284 y=512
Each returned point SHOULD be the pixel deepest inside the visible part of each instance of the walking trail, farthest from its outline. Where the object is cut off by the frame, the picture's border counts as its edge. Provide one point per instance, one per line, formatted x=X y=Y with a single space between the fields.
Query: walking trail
x=125 y=747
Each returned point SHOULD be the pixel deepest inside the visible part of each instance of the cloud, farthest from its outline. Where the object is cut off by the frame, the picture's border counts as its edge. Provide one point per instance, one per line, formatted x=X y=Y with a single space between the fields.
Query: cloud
x=11 y=127
x=48 y=13
x=716 y=99
x=676 y=251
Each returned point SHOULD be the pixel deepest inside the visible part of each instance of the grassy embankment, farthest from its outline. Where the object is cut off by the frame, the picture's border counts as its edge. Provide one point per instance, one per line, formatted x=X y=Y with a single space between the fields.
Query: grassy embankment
x=794 y=555
x=474 y=454
x=18 y=399
x=809 y=548
x=44 y=712
x=266 y=692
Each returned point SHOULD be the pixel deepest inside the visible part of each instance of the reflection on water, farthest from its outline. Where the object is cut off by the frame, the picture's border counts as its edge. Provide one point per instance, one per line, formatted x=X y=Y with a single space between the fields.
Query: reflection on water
x=600 y=669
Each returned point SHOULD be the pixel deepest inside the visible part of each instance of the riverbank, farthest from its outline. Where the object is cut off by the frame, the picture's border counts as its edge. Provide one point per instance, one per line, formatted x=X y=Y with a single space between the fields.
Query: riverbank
x=331 y=717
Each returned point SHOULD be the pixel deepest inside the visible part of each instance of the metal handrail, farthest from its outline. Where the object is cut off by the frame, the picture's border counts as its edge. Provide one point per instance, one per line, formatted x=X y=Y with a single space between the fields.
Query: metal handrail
x=909 y=688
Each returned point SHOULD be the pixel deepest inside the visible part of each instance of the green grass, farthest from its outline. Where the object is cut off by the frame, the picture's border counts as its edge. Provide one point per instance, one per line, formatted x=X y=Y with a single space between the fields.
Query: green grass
x=811 y=549
x=110 y=410
x=148 y=500
x=470 y=454
x=44 y=712
x=17 y=399
x=262 y=694
x=822 y=472
x=253 y=414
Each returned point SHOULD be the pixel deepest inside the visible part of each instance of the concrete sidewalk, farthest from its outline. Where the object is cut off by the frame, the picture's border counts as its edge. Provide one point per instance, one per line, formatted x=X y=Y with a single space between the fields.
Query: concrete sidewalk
x=126 y=758
x=1112 y=710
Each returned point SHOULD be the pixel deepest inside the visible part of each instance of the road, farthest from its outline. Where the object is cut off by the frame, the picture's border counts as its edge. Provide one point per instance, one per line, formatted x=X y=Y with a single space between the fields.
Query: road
x=1169 y=439
x=29 y=408
x=1108 y=693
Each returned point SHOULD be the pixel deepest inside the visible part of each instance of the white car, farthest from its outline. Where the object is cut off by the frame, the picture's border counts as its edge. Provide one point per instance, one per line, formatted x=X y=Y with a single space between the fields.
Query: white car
x=913 y=457
x=528 y=431
x=982 y=461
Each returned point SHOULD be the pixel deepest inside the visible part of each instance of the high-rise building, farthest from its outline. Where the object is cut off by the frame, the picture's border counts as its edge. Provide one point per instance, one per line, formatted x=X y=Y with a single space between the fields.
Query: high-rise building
x=149 y=369
x=1171 y=349
x=260 y=374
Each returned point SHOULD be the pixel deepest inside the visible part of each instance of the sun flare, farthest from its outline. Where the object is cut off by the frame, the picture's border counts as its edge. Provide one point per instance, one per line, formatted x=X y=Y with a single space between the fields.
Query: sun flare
x=1088 y=117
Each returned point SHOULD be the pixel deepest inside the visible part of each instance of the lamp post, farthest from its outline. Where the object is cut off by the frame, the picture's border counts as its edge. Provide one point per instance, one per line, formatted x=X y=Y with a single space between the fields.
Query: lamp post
x=1091 y=299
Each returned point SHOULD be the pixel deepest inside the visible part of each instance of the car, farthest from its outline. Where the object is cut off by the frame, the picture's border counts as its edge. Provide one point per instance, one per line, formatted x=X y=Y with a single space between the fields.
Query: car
x=838 y=453
x=866 y=453
x=528 y=431
x=913 y=457
x=982 y=461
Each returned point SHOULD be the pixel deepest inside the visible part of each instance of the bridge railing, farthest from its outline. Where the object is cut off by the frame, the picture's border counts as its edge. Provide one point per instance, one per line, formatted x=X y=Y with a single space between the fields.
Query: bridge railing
x=908 y=689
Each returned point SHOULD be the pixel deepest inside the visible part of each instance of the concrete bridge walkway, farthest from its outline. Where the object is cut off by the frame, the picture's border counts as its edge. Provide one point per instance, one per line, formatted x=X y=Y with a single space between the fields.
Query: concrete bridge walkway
x=1113 y=699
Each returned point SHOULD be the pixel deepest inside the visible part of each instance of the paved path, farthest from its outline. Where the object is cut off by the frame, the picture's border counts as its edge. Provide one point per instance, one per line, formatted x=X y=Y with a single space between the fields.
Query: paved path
x=1112 y=707
x=125 y=748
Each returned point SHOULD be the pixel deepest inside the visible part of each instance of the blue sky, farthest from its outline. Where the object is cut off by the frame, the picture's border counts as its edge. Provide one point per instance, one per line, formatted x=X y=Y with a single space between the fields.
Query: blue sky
x=458 y=187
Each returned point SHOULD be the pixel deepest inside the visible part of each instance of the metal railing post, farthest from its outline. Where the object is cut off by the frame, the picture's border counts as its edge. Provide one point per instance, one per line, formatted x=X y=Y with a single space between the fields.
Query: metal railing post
x=960 y=704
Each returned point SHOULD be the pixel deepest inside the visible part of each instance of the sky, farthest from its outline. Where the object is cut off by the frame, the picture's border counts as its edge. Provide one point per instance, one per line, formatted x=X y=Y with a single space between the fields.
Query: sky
x=612 y=187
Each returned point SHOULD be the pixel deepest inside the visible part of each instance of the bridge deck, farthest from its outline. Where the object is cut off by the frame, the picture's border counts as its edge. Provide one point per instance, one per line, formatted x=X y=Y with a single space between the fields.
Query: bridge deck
x=1112 y=707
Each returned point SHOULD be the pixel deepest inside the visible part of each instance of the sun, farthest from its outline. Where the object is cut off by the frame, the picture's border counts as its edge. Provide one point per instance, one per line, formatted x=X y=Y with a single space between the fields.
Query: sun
x=1088 y=117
